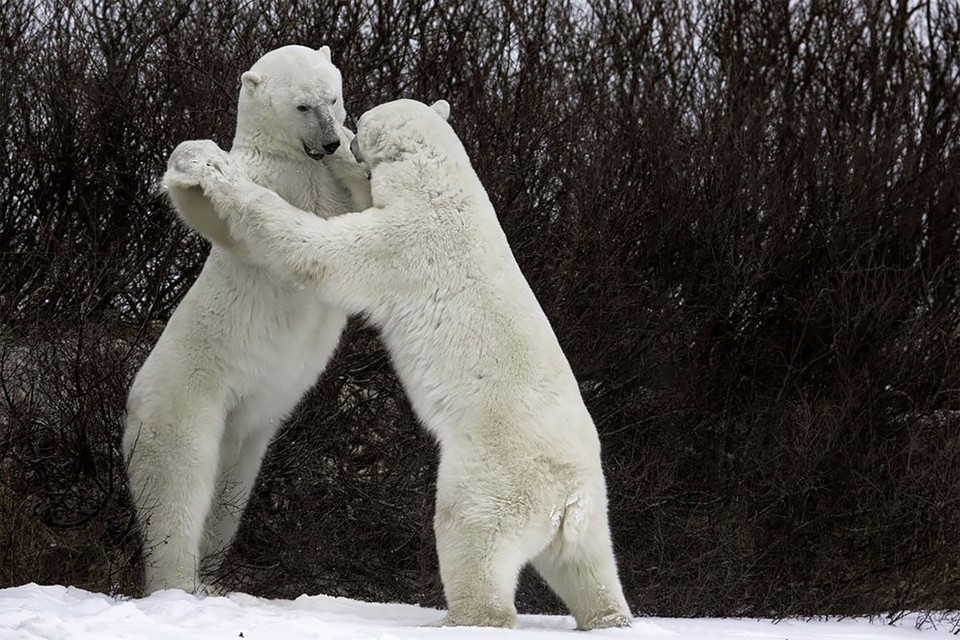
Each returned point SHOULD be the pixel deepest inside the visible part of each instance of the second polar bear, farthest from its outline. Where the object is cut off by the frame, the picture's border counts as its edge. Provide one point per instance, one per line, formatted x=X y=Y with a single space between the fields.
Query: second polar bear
x=243 y=346
x=520 y=478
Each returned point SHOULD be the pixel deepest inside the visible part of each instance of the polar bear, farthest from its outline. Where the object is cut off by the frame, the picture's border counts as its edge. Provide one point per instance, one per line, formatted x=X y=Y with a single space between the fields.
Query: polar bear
x=520 y=477
x=244 y=345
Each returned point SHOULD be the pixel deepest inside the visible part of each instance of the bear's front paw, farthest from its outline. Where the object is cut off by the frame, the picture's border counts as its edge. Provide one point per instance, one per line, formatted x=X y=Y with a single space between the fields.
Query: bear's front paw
x=342 y=162
x=196 y=163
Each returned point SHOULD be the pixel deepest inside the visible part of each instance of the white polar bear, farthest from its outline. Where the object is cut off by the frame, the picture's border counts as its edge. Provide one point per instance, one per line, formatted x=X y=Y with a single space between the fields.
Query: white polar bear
x=244 y=345
x=520 y=478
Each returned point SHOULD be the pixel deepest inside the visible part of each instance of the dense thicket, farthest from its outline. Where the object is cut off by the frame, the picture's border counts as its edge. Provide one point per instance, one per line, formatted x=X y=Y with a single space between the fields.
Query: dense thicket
x=742 y=218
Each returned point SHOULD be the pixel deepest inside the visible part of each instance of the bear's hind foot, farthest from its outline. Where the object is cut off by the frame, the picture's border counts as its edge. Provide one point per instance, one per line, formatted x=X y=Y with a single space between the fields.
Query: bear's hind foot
x=504 y=619
x=607 y=621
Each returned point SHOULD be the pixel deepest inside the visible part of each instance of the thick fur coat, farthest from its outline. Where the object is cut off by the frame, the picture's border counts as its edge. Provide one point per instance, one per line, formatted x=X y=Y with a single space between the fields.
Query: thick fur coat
x=520 y=476
x=244 y=345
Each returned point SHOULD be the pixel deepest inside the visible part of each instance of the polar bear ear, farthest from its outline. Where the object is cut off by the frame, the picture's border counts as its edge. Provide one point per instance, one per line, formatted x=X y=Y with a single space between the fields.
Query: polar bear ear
x=442 y=107
x=324 y=52
x=251 y=79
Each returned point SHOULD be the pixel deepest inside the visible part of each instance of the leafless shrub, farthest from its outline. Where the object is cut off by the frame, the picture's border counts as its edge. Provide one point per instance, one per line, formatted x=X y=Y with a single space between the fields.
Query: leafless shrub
x=742 y=219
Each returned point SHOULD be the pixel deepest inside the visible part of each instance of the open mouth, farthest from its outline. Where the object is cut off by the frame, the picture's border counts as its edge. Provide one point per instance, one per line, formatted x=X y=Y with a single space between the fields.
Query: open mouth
x=316 y=155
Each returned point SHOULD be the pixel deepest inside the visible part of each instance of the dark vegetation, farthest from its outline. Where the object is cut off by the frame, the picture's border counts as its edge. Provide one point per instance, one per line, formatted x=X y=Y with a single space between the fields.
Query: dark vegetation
x=742 y=218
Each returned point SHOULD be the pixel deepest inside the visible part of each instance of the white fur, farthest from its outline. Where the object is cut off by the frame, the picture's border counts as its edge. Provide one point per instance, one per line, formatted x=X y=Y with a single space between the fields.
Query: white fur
x=244 y=345
x=520 y=478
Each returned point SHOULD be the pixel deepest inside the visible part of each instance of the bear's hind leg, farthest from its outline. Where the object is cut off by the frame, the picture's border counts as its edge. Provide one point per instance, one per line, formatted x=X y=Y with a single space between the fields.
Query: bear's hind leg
x=479 y=567
x=583 y=572
x=240 y=460
x=172 y=466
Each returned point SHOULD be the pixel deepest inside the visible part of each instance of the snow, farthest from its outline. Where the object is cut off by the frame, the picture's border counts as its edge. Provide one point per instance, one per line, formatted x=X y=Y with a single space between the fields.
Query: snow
x=33 y=612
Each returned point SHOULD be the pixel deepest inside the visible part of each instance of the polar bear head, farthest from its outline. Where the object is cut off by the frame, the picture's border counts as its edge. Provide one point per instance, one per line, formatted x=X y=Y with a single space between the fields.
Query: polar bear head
x=393 y=130
x=292 y=98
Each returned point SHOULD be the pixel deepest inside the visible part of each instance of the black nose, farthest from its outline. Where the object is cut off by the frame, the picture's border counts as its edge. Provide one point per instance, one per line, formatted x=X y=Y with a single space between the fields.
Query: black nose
x=332 y=146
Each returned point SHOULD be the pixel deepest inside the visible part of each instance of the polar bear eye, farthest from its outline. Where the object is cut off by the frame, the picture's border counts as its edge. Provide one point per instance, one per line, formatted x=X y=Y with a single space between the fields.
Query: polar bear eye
x=334 y=101
x=303 y=107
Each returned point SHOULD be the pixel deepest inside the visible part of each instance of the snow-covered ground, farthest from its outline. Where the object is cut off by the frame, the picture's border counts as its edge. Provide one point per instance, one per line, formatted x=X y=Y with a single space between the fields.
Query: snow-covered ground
x=64 y=613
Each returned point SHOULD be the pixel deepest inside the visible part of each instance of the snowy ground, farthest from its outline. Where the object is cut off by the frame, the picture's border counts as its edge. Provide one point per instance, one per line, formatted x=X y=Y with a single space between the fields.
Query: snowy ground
x=64 y=613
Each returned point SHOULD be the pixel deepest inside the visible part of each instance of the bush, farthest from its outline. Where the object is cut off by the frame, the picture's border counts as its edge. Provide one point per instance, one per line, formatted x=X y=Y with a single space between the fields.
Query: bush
x=742 y=218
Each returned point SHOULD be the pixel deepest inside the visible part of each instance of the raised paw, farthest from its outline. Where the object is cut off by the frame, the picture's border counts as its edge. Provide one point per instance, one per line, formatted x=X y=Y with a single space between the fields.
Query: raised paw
x=352 y=173
x=342 y=161
x=197 y=163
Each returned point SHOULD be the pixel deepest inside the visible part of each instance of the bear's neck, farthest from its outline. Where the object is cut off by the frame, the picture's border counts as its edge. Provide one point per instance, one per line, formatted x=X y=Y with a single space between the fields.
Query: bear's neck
x=261 y=141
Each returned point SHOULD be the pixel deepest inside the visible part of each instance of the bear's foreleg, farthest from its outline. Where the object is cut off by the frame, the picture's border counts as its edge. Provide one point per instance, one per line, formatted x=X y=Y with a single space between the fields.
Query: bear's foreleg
x=348 y=257
x=196 y=210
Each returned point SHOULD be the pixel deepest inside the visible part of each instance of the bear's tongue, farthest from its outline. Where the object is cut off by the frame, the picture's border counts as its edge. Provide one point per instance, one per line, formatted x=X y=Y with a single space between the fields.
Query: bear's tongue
x=316 y=155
